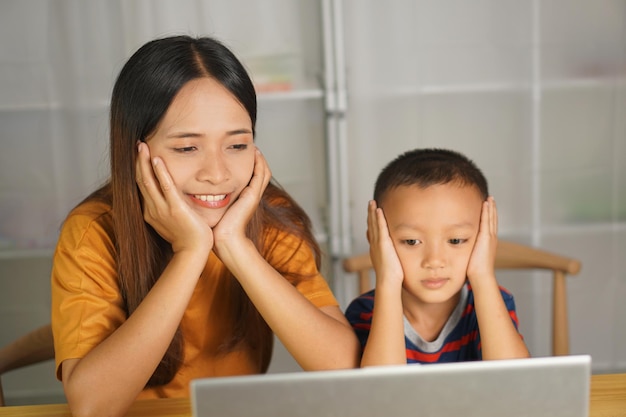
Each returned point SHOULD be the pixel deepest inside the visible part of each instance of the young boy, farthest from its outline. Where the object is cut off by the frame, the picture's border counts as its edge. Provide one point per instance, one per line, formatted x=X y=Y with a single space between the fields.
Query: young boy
x=432 y=229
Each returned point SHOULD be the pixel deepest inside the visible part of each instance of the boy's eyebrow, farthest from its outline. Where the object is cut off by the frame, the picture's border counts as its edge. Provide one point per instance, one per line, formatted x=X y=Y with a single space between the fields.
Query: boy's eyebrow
x=405 y=227
x=460 y=225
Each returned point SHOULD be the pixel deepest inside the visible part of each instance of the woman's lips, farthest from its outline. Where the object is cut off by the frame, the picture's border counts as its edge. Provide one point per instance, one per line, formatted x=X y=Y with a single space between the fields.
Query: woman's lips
x=213 y=201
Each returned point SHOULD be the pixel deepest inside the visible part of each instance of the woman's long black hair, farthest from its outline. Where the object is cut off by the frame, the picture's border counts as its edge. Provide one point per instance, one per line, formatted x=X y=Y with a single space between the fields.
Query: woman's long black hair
x=144 y=90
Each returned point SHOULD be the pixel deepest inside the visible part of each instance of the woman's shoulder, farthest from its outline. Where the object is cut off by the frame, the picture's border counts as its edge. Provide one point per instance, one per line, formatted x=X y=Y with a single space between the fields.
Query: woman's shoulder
x=284 y=218
x=90 y=219
x=90 y=211
x=276 y=196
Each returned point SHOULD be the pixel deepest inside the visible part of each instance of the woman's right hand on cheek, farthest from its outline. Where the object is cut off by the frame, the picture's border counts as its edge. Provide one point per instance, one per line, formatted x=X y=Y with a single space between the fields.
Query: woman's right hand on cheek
x=164 y=208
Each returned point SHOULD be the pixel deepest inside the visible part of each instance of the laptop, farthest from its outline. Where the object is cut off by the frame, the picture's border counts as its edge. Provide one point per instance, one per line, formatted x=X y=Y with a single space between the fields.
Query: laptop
x=549 y=386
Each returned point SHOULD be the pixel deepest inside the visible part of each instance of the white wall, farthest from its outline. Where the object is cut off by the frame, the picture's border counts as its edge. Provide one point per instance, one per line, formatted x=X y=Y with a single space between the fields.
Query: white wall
x=58 y=62
x=24 y=306
x=535 y=93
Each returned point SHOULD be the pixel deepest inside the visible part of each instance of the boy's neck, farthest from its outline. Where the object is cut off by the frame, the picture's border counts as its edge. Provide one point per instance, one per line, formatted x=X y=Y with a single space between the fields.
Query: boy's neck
x=428 y=319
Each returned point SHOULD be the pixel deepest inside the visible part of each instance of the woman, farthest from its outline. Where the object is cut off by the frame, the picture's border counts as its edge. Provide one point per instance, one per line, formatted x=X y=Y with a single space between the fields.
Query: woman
x=189 y=258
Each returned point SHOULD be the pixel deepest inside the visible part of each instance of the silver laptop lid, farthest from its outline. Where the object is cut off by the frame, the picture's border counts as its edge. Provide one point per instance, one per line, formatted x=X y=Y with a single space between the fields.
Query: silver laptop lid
x=550 y=386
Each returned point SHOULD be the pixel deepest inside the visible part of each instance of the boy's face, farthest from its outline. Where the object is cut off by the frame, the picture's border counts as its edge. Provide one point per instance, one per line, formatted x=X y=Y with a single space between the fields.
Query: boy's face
x=433 y=230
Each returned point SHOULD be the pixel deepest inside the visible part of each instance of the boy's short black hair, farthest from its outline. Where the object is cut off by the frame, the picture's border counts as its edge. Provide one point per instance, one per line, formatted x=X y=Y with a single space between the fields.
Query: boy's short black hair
x=430 y=166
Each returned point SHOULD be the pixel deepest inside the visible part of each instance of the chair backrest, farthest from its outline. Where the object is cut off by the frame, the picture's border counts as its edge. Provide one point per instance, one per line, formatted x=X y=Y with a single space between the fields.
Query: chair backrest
x=509 y=255
x=33 y=347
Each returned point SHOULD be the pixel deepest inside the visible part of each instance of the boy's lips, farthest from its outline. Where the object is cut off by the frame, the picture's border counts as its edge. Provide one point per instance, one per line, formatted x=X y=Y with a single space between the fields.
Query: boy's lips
x=434 y=283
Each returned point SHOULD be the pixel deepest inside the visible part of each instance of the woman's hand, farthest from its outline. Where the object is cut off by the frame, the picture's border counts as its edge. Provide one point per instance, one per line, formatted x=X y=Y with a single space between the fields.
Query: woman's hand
x=165 y=209
x=232 y=226
x=482 y=260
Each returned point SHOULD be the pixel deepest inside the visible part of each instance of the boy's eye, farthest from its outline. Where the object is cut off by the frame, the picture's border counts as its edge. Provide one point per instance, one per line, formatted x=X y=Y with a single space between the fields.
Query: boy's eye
x=240 y=146
x=412 y=242
x=457 y=241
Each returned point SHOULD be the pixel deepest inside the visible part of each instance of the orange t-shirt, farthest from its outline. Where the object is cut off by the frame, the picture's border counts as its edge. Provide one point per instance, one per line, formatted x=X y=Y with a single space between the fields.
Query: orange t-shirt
x=87 y=305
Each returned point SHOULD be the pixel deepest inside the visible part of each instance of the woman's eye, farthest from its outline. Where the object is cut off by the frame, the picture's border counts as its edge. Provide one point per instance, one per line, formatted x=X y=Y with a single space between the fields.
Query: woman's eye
x=411 y=242
x=185 y=149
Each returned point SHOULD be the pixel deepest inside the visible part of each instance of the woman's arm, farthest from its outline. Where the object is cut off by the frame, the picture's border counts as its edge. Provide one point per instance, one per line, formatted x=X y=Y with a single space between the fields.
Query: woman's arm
x=318 y=338
x=108 y=379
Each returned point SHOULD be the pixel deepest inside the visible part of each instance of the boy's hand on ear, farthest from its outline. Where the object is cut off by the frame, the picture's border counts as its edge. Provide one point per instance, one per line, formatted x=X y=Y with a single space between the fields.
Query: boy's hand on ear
x=482 y=260
x=382 y=251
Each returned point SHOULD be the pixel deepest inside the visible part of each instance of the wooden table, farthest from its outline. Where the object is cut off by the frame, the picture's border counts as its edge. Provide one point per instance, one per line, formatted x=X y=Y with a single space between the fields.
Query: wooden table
x=607 y=399
x=608 y=395
x=167 y=407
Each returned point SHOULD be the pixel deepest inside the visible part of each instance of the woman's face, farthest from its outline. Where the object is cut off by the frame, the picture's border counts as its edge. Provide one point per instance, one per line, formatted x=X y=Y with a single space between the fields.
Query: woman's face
x=205 y=140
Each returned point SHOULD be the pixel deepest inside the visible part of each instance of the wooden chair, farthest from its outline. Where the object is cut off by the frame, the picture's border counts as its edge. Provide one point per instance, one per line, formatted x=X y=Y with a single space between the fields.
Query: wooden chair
x=509 y=255
x=33 y=347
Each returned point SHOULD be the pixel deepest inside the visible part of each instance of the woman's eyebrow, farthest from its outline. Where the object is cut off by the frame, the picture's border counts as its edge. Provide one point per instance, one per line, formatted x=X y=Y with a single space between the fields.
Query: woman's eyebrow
x=242 y=131
x=176 y=135
x=183 y=134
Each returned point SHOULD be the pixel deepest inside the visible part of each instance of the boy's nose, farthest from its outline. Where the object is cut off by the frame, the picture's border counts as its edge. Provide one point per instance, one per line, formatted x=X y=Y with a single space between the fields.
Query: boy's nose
x=433 y=258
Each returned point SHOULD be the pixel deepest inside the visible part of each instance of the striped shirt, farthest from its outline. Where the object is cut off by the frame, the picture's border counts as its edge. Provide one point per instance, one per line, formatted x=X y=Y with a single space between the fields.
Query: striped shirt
x=459 y=340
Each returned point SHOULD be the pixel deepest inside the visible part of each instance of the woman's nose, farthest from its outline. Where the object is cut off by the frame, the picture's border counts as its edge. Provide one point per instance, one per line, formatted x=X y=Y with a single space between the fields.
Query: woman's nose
x=213 y=168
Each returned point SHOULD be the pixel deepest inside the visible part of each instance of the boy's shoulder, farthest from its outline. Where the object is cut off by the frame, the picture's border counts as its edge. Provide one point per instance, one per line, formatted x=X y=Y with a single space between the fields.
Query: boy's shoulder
x=362 y=303
x=507 y=295
x=365 y=298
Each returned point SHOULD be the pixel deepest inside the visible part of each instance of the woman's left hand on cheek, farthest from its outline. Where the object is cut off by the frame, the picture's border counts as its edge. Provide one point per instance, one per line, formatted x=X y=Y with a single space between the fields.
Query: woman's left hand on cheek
x=238 y=215
x=482 y=259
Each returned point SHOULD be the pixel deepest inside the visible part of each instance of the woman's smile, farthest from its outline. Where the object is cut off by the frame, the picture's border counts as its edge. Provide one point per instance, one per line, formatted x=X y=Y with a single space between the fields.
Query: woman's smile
x=212 y=201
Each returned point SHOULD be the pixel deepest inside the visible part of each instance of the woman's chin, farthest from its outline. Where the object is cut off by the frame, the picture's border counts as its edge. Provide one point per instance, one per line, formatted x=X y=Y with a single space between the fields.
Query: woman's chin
x=212 y=221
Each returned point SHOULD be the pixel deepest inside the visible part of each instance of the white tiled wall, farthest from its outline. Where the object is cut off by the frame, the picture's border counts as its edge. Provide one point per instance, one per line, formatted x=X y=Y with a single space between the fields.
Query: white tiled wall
x=534 y=92
x=24 y=306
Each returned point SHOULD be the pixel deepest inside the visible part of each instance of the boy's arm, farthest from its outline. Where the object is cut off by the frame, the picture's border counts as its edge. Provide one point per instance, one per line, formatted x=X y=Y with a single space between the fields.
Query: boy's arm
x=385 y=344
x=499 y=337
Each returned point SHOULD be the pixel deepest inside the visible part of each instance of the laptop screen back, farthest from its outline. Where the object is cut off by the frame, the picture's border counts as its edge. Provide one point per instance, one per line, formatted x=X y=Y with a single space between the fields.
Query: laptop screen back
x=550 y=387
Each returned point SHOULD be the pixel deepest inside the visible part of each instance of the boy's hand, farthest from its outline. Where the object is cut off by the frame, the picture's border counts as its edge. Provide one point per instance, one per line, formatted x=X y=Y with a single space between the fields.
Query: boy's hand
x=482 y=260
x=164 y=207
x=382 y=251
